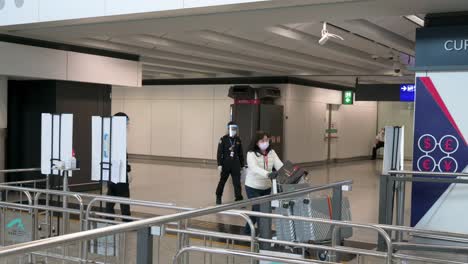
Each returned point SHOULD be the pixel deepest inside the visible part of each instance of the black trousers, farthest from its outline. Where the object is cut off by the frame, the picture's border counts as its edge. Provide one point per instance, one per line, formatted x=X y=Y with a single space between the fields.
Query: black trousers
x=232 y=168
x=380 y=144
x=120 y=190
x=254 y=193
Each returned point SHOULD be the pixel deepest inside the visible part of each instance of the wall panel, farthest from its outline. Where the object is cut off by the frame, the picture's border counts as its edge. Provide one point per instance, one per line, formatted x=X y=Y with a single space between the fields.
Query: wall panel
x=357 y=126
x=197 y=129
x=221 y=117
x=99 y=69
x=41 y=62
x=187 y=121
x=139 y=129
x=166 y=128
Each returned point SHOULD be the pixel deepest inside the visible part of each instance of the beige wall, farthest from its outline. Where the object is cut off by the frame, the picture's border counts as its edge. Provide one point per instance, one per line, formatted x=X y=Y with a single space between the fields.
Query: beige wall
x=399 y=114
x=187 y=121
x=356 y=129
x=306 y=112
x=306 y=109
x=176 y=121
x=53 y=64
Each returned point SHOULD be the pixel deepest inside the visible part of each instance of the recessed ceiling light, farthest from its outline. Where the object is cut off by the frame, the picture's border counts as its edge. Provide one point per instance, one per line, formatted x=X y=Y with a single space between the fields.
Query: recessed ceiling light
x=415 y=19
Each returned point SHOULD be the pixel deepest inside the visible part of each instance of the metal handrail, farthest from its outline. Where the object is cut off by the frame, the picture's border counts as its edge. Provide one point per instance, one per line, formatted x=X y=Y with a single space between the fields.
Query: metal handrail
x=425 y=259
x=379 y=230
x=431 y=247
x=125 y=227
x=169 y=206
x=238 y=253
x=20 y=170
x=400 y=176
x=54 y=192
x=23 y=182
x=199 y=232
x=338 y=249
x=423 y=231
x=428 y=173
x=28 y=196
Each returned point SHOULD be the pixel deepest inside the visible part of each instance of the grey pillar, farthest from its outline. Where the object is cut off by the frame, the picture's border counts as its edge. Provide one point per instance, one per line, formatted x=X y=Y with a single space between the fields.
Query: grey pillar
x=144 y=246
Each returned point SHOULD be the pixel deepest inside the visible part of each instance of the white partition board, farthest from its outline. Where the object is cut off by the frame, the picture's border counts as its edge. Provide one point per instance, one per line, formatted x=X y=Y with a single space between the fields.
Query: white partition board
x=109 y=149
x=56 y=141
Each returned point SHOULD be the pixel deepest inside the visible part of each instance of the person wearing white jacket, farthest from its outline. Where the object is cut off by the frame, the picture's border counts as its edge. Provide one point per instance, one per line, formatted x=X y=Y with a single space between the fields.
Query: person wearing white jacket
x=261 y=160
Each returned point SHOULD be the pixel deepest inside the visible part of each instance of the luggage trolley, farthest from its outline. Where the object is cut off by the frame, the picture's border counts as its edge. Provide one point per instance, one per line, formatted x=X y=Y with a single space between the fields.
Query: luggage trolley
x=290 y=178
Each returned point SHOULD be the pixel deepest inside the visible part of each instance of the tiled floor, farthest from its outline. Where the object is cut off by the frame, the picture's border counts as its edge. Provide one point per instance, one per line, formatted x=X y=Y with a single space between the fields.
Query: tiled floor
x=194 y=187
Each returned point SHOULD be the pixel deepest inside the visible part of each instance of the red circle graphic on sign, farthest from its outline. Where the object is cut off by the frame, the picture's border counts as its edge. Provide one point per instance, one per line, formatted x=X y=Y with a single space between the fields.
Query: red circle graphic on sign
x=427 y=143
x=426 y=163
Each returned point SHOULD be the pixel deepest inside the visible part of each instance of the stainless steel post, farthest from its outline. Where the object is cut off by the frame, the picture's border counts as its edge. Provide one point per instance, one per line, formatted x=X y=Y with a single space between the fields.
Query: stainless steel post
x=383 y=204
x=337 y=201
x=48 y=218
x=144 y=246
x=400 y=208
x=180 y=236
x=65 y=216
x=264 y=225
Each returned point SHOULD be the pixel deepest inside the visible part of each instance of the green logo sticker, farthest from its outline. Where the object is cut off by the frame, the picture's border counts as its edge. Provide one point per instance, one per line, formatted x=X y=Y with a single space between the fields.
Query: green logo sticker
x=18 y=223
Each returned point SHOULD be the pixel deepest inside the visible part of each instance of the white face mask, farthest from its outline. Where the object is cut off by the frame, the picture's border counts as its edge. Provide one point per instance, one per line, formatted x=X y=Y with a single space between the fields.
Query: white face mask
x=263 y=145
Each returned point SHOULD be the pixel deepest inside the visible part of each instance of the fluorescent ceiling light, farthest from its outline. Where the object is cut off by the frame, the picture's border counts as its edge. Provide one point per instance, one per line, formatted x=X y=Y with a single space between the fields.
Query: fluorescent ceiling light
x=279 y=30
x=152 y=40
x=415 y=19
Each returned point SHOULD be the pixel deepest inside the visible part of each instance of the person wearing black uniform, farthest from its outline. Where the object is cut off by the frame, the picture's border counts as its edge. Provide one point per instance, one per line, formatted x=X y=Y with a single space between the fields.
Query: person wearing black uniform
x=119 y=189
x=230 y=162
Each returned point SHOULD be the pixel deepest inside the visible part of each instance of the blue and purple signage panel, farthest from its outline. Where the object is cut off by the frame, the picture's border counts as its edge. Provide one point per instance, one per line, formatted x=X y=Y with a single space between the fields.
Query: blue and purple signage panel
x=440 y=137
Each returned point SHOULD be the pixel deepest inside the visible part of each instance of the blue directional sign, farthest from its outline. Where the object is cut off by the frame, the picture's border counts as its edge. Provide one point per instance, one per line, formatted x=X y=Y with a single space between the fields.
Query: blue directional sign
x=407 y=92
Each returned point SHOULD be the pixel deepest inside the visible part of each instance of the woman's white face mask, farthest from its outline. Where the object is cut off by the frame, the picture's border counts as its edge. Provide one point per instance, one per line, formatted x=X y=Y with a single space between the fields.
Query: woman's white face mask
x=263 y=145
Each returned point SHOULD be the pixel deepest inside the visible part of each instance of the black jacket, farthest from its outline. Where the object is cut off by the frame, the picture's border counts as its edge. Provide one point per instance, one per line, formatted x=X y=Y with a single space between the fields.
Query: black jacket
x=224 y=150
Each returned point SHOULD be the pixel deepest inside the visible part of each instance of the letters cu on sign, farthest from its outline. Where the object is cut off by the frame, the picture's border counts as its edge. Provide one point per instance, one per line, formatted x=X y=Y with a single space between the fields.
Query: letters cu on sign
x=461 y=44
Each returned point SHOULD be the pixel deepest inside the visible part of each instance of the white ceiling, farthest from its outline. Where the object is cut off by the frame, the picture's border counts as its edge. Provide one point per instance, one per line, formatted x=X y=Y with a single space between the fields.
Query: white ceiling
x=261 y=40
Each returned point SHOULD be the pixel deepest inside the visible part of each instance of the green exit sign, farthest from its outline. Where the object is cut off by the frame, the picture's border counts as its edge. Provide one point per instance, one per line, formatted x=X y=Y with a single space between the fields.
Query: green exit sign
x=348 y=98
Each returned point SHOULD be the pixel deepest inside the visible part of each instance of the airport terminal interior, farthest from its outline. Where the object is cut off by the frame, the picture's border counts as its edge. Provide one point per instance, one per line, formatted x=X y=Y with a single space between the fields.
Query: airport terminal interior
x=233 y=131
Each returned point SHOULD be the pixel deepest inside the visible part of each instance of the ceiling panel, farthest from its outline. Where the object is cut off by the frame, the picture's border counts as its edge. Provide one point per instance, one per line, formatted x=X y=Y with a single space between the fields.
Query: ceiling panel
x=268 y=52
x=399 y=25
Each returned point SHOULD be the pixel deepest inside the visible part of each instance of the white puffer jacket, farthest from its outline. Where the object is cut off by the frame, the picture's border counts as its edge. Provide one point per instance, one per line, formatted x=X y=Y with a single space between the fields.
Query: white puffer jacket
x=259 y=166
